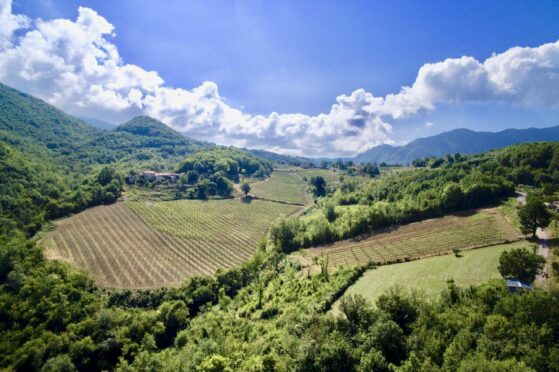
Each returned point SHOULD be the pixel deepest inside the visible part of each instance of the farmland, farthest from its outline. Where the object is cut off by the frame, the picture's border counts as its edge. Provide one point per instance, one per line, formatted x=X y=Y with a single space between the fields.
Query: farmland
x=430 y=275
x=151 y=244
x=461 y=231
x=284 y=186
x=288 y=184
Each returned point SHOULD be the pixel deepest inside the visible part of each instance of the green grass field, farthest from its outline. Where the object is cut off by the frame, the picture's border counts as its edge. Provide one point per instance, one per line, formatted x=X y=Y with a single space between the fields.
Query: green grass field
x=288 y=184
x=282 y=186
x=329 y=175
x=430 y=275
x=509 y=210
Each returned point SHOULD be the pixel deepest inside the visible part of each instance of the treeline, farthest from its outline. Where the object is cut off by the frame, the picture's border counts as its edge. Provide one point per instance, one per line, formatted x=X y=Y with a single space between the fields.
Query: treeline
x=34 y=191
x=227 y=162
x=53 y=318
x=263 y=316
x=406 y=195
x=530 y=164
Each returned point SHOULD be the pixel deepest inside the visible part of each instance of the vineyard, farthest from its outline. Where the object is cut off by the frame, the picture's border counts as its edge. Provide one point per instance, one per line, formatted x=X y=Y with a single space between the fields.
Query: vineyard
x=153 y=244
x=421 y=239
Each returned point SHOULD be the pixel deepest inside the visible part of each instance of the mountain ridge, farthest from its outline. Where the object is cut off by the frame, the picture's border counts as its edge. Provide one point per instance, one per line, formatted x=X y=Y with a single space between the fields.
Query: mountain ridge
x=461 y=140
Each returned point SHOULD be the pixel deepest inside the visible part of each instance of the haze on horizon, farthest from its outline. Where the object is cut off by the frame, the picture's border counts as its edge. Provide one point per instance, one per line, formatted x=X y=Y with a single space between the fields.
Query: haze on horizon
x=289 y=77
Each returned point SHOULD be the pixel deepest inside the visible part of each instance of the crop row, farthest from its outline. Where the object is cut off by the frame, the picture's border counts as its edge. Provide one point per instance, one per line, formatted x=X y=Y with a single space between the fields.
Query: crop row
x=145 y=244
x=421 y=239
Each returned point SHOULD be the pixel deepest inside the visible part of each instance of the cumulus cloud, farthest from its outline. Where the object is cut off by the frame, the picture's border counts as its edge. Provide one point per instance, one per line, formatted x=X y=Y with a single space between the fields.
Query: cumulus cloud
x=76 y=66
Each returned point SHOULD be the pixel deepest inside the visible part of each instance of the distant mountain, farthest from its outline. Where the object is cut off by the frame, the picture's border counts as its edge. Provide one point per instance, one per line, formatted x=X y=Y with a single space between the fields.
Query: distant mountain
x=462 y=141
x=101 y=124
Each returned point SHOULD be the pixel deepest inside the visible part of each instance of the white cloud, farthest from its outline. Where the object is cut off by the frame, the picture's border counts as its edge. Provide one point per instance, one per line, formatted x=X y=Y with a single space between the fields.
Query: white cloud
x=76 y=66
x=429 y=124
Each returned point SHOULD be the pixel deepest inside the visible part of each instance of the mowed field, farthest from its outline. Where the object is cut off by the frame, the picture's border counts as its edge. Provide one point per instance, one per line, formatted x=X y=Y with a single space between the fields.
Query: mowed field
x=430 y=275
x=437 y=236
x=284 y=186
x=289 y=185
x=153 y=244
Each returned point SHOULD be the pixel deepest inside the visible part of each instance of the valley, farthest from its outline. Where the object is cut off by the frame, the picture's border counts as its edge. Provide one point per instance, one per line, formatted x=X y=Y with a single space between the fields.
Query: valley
x=137 y=248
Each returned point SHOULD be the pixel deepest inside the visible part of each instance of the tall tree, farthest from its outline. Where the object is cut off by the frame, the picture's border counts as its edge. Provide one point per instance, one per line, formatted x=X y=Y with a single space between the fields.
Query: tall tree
x=533 y=214
x=319 y=185
x=520 y=263
x=245 y=188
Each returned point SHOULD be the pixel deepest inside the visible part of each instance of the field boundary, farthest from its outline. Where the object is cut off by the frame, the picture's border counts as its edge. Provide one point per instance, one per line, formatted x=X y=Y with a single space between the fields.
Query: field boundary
x=433 y=237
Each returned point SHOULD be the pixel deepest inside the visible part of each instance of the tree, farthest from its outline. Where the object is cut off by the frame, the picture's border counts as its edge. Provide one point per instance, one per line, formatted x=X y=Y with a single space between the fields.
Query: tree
x=319 y=185
x=520 y=263
x=106 y=175
x=452 y=196
x=245 y=188
x=330 y=212
x=533 y=214
x=192 y=177
x=223 y=186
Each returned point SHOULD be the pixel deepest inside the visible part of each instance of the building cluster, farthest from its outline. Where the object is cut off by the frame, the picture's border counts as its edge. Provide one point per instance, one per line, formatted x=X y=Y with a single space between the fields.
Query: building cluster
x=151 y=176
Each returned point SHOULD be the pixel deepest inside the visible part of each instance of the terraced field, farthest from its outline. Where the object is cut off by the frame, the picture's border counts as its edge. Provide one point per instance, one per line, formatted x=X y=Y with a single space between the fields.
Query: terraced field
x=153 y=244
x=421 y=239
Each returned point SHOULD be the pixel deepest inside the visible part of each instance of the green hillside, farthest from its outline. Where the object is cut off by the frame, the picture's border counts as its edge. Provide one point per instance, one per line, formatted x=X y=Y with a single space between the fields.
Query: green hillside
x=266 y=314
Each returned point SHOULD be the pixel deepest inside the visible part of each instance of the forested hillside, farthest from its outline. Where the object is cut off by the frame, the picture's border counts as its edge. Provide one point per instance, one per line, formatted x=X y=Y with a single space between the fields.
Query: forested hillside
x=437 y=186
x=266 y=314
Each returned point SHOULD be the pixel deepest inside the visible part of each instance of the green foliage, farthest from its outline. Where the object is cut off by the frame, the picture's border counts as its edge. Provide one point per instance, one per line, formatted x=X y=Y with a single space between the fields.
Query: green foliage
x=403 y=196
x=34 y=191
x=533 y=214
x=521 y=264
x=245 y=187
x=318 y=185
x=227 y=162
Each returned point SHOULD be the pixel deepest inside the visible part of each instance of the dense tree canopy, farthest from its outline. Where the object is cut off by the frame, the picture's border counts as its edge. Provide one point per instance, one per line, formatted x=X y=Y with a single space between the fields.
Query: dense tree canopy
x=521 y=264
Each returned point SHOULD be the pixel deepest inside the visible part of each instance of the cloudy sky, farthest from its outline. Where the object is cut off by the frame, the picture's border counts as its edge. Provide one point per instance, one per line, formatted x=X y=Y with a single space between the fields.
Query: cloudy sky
x=290 y=76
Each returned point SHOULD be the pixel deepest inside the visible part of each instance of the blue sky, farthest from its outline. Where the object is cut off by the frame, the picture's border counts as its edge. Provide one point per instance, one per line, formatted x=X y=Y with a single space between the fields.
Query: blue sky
x=298 y=56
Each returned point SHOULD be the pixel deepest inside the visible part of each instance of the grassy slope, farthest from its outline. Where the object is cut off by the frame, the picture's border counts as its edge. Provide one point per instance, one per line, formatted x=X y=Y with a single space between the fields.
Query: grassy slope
x=429 y=275
x=282 y=186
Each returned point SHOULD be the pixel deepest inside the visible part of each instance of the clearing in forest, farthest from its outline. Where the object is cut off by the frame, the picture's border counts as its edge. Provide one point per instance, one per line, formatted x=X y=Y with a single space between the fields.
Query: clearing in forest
x=153 y=244
x=430 y=275
x=464 y=230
